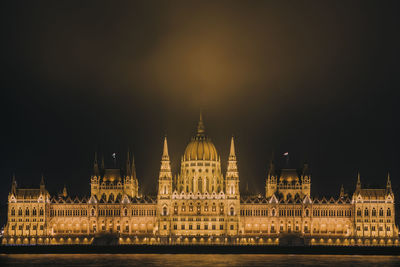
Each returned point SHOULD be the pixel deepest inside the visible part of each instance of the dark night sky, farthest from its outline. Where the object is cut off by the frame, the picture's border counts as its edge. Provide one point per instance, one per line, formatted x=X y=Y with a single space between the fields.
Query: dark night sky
x=318 y=79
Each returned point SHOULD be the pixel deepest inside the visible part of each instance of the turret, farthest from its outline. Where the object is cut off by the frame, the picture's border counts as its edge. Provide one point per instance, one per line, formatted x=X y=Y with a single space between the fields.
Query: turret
x=341 y=194
x=131 y=182
x=64 y=192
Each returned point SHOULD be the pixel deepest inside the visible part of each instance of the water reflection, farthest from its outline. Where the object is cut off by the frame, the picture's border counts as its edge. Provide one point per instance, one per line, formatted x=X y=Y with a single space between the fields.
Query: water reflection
x=195 y=260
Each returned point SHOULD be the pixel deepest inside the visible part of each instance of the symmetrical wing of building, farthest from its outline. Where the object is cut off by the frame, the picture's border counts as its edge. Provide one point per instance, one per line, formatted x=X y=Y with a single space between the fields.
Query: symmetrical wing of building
x=201 y=205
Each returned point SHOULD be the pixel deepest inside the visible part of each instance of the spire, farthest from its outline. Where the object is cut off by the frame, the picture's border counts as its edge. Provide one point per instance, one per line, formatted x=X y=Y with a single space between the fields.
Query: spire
x=358 y=186
x=13 y=185
x=232 y=170
x=341 y=191
x=165 y=149
x=200 y=126
x=232 y=150
x=388 y=184
x=65 y=193
x=128 y=164
x=42 y=183
x=165 y=171
x=95 y=165
x=133 y=167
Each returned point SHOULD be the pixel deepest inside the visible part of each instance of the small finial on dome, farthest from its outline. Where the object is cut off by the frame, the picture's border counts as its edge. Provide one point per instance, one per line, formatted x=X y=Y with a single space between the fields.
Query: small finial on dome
x=200 y=127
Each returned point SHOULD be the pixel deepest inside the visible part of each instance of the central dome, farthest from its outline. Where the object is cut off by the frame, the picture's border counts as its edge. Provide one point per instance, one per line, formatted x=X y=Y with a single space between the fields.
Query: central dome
x=200 y=147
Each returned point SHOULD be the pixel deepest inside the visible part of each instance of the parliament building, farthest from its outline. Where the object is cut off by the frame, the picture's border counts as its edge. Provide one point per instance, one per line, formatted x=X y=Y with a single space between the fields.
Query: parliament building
x=201 y=204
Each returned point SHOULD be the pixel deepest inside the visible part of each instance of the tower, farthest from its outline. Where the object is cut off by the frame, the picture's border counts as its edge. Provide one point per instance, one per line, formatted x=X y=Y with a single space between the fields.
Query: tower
x=232 y=174
x=164 y=192
x=95 y=178
x=271 y=184
x=131 y=186
x=306 y=180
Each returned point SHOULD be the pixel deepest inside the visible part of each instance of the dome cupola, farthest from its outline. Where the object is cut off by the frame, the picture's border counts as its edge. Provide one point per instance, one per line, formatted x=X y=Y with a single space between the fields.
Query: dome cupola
x=200 y=147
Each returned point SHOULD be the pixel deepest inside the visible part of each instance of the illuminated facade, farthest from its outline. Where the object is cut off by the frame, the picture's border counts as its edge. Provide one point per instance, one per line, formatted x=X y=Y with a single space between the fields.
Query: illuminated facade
x=201 y=205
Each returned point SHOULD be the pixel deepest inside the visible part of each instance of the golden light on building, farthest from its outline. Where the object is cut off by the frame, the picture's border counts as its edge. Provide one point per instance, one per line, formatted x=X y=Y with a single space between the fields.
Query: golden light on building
x=201 y=205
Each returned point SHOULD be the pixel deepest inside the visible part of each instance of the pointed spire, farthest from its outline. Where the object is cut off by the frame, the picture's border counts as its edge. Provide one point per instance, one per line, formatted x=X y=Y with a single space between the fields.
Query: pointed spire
x=65 y=193
x=165 y=148
x=42 y=185
x=165 y=170
x=13 y=185
x=96 y=170
x=232 y=149
x=200 y=126
x=128 y=164
x=133 y=167
x=388 y=183
x=358 y=186
x=232 y=169
x=341 y=191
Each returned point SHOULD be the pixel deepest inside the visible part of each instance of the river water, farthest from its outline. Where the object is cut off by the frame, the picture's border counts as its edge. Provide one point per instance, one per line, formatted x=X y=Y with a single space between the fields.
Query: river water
x=183 y=260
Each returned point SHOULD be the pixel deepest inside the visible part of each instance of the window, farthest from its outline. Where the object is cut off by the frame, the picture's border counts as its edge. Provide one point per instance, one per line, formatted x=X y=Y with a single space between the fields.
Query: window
x=389 y=212
x=213 y=227
x=183 y=227
x=198 y=227
x=221 y=227
x=190 y=227
x=206 y=227
x=125 y=212
x=41 y=212
x=165 y=227
x=175 y=227
x=381 y=212
x=358 y=212
x=27 y=212
x=366 y=212
x=164 y=211
x=231 y=227
x=232 y=211
x=388 y=228
x=12 y=212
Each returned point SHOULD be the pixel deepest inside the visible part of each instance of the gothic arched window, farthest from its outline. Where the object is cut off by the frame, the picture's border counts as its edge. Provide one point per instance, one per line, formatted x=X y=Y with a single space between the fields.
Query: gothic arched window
x=41 y=212
x=12 y=212
x=389 y=212
x=232 y=211
x=381 y=212
x=358 y=212
x=164 y=211
x=374 y=212
x=27 y=212
x=366 y=213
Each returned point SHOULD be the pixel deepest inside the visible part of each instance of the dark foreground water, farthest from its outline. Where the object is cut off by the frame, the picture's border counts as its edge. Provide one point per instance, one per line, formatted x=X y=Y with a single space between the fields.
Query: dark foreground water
x=194 y=260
